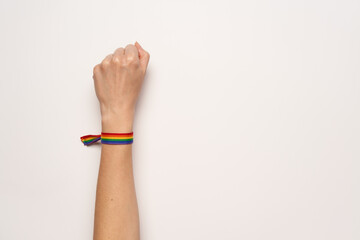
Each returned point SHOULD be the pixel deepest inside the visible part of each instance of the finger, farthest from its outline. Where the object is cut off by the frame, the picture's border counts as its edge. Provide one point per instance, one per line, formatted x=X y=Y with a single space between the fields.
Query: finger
x=144 y=56
x=118 y=55
x=131 y=51
x=107 y=59
x=96 y=70
x=119 y=52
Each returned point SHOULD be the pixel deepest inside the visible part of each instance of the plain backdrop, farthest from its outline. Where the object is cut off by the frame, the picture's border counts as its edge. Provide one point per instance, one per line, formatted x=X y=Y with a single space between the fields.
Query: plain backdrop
x=247 y=126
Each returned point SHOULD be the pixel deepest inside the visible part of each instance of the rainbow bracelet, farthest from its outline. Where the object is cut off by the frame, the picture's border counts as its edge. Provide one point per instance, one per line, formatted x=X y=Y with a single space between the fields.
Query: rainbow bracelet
x=108 y=138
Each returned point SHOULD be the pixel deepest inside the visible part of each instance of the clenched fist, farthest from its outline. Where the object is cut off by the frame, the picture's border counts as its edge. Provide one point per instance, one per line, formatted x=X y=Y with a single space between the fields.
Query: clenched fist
x=118 y=80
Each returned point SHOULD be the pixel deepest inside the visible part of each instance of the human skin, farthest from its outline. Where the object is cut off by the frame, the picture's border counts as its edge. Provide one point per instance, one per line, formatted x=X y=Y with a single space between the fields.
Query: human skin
x=118 y=80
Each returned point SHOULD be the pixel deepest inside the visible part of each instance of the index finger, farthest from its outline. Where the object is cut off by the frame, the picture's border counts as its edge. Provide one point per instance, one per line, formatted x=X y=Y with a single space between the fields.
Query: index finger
x=131 y=50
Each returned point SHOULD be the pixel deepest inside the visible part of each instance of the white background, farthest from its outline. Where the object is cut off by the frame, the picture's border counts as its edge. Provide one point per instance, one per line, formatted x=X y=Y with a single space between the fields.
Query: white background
x=247 y=126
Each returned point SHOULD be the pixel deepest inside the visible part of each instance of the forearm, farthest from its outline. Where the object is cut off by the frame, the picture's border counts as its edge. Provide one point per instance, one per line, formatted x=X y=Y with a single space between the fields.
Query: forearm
x=116 y=211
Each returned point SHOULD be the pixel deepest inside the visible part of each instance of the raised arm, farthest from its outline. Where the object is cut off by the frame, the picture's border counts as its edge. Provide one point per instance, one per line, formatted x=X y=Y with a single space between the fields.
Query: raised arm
x=118 y=80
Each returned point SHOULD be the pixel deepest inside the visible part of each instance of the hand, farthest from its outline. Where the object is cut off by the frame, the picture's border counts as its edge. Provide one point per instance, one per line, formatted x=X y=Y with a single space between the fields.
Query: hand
x=118 y=80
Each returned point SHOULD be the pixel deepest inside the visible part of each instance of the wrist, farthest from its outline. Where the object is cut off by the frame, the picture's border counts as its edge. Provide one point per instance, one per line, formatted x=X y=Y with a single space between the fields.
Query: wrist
x=122 y=123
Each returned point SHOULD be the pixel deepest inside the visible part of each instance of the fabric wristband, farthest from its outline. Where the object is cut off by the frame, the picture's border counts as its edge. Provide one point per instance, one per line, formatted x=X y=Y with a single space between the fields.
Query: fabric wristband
x=108 y=138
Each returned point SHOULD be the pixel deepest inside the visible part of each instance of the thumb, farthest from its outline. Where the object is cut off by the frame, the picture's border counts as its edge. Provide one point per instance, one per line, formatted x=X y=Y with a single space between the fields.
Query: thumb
x=144 y=56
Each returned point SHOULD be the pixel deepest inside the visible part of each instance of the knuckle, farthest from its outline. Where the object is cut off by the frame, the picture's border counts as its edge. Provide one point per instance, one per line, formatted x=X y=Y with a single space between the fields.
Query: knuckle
x=96 y=68
x=131 y=59
x=105 y=63
x=116 y=59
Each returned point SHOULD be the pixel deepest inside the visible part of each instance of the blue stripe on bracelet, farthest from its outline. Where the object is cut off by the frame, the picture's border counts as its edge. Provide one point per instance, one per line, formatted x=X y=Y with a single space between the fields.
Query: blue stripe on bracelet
x=116 y=142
